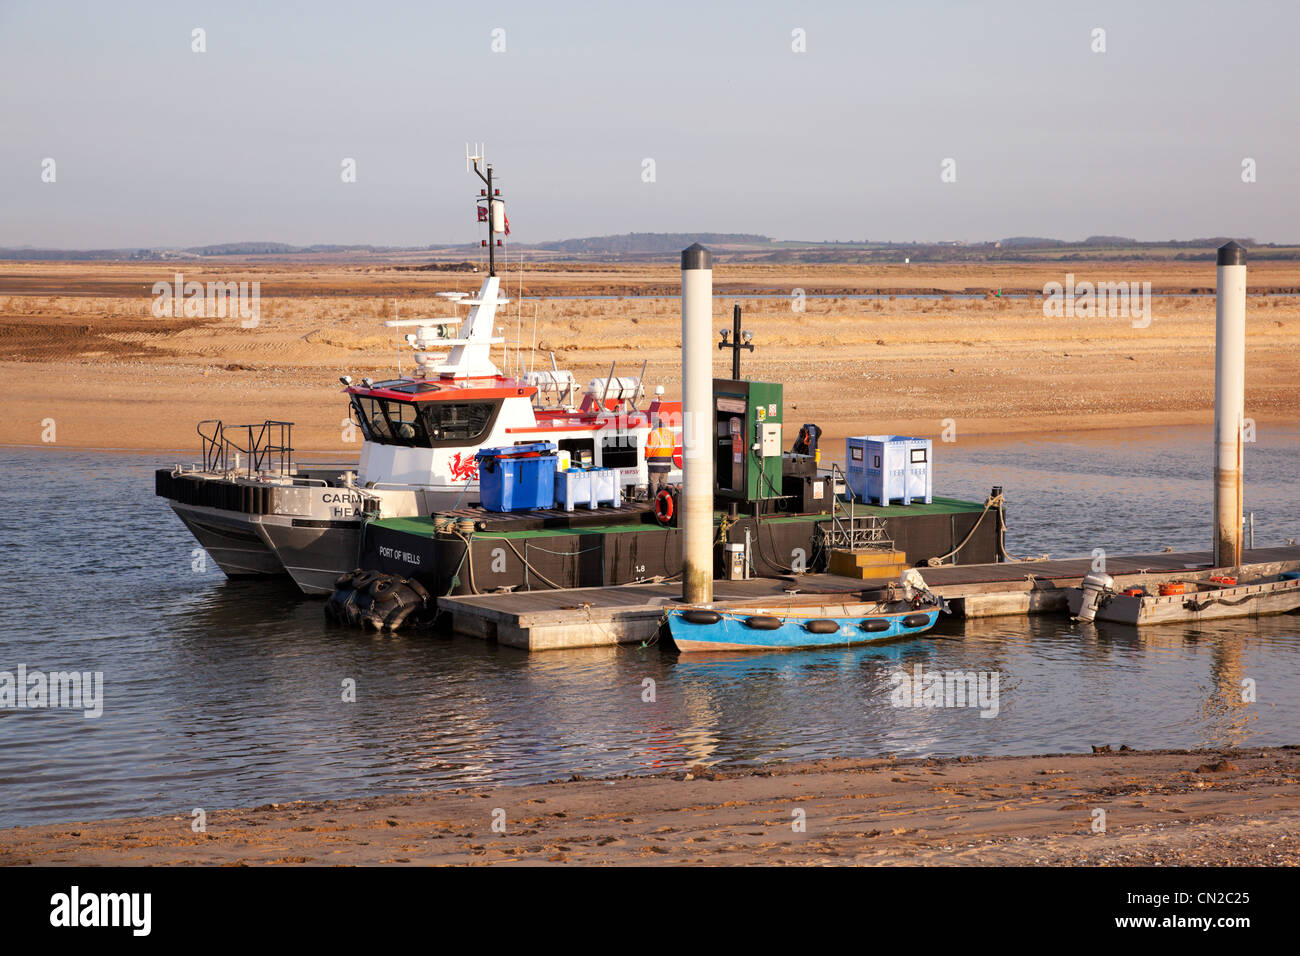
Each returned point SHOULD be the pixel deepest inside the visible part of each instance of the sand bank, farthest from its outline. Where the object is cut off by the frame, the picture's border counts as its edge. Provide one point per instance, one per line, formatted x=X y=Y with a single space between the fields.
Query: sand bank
x=1236 y=808
x=79 y=345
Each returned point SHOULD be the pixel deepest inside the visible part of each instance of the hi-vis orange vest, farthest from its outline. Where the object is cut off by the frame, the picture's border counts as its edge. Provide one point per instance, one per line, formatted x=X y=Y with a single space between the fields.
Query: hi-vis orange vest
x=660 y=445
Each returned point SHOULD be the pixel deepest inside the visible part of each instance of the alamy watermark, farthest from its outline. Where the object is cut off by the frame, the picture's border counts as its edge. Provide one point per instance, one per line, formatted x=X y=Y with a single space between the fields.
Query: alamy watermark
x=67 y=690
x=76 y=908
x=216 y=300
x=922 y=688
x=1087 y=300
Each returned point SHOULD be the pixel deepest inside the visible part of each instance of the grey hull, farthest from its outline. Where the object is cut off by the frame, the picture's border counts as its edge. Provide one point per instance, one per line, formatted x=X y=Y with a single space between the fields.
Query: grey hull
x=309 y=531
x=234 y=540
x=312 y=555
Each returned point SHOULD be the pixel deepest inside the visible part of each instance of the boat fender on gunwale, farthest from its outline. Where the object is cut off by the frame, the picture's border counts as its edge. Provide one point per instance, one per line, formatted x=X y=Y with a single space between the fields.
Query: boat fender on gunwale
x=698 y=616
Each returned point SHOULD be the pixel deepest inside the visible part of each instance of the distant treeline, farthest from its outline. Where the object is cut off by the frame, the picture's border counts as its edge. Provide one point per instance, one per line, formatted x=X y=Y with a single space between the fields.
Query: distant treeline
x=726 y=245
x=651 y=243
x=220 y=249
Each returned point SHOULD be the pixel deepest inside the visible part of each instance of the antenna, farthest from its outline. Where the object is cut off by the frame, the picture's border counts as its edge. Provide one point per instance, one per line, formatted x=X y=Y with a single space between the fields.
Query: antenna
x=472 y=161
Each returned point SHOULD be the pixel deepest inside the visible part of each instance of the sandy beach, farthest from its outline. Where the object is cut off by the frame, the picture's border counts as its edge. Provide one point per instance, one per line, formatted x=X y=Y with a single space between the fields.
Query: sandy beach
x=79 y=344
x=1161 y=808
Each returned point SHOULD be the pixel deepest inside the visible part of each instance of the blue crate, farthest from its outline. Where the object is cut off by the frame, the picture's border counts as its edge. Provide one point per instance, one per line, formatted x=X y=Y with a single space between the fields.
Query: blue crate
x=517 y=477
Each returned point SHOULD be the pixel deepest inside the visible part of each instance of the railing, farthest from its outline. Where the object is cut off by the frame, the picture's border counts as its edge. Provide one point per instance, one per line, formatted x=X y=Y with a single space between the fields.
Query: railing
x=265 y=447
x=847 y=529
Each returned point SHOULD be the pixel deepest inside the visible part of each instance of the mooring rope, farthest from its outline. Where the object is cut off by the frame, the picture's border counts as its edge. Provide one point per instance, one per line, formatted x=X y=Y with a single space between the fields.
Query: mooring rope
x=537 y=574
x=1193 y=605
x=467 y=557
x=990 y=503
x=561 y=554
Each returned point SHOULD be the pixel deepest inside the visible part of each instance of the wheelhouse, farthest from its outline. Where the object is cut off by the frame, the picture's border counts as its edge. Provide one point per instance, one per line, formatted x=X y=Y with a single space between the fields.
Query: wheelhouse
x=424 y=414
x=392 y=421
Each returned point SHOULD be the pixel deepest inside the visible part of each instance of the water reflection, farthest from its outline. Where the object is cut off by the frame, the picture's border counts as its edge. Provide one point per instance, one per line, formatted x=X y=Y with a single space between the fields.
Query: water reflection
x=223 y=693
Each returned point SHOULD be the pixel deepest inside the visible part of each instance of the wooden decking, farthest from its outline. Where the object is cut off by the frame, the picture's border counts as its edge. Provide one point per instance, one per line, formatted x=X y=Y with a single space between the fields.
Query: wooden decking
x=586 y=617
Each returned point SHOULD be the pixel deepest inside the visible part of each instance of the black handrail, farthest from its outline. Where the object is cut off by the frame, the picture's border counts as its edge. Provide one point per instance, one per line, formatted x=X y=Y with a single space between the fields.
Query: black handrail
x=267 y=446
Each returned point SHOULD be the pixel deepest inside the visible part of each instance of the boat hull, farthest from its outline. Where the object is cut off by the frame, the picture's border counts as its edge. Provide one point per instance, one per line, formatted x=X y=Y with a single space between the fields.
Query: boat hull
x=233 y=540
x=313 y=551
x=310 y=532
x=1249 y=599
x=732 y=633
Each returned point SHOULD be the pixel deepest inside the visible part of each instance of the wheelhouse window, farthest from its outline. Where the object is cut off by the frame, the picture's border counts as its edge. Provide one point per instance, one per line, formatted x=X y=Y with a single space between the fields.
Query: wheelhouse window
x=458 y=421
x=391 y=421
x=373 y=421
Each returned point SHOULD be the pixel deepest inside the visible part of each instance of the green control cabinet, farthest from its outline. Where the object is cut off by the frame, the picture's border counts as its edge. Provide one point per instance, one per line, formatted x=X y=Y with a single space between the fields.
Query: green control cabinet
x=747 y=425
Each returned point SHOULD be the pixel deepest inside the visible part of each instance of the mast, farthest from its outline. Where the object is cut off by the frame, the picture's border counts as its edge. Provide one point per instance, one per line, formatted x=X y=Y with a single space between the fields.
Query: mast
x=494 y=202
x=492 y=247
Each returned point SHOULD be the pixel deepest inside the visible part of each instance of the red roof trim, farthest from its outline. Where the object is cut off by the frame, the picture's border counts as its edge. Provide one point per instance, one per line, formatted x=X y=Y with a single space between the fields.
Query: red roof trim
x=448 y=393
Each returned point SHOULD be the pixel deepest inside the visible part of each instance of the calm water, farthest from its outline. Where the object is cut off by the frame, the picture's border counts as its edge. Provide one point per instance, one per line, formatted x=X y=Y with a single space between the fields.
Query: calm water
x=227 y=694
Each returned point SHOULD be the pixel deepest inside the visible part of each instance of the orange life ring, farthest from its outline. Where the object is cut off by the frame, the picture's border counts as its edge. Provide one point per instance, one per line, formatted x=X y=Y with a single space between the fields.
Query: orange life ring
x=664 y=507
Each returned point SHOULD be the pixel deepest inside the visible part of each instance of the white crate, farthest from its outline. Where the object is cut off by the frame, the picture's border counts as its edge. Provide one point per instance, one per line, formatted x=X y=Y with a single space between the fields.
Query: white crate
x=590 y=488
x=884 y=468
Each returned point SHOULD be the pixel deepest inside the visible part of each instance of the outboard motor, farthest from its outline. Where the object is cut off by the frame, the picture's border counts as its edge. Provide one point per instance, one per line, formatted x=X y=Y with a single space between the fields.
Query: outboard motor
x=917 y=593
x=1096 y=587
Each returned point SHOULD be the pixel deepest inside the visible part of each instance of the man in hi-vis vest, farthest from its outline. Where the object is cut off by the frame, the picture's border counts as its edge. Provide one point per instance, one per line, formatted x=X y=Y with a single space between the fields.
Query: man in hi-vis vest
x=659 y=455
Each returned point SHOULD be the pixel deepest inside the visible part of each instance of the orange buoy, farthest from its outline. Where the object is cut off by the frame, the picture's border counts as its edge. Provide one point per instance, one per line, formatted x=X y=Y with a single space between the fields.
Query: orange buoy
x=1135 y=592
x=1172 y=587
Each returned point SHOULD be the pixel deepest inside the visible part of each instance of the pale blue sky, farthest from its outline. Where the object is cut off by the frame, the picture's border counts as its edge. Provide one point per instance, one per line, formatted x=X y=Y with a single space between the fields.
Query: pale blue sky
x=156 y=145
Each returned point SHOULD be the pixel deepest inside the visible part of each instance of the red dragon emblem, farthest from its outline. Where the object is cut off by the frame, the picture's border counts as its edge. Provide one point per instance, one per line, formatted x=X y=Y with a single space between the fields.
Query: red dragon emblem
x=464 y=469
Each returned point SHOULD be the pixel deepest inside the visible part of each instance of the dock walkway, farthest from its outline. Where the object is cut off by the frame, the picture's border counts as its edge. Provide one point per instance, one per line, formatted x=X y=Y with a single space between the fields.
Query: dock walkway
x=630 y=613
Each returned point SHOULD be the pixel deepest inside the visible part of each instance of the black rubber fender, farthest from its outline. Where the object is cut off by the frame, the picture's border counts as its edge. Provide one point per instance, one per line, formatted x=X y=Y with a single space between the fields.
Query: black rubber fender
x=398 y=615
x=763 y=622
x=699 y=616
x=352 y=613
x=821 y=625
x=874 y=625
x=363 y=579
x=419 y=589
x=916 y=620
x=376 y=601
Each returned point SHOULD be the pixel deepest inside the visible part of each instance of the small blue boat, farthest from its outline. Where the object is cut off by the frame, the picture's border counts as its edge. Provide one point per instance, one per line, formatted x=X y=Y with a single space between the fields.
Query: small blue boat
x=733 y=627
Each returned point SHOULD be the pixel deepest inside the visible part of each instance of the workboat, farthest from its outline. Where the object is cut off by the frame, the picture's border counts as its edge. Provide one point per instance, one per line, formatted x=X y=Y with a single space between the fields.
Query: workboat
x=256 y=511
x=1210 y=595
x=807 y=621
